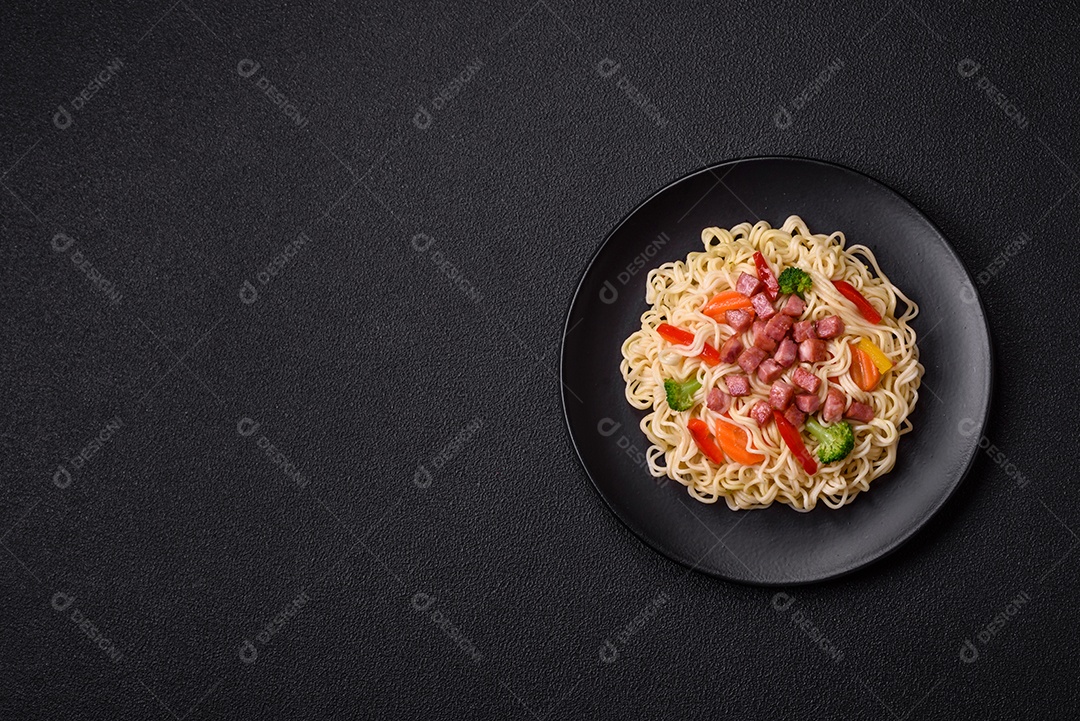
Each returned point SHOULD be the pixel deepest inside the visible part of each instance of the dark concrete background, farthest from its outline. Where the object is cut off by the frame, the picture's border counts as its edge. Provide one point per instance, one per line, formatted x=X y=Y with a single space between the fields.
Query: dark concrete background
x=200 y=574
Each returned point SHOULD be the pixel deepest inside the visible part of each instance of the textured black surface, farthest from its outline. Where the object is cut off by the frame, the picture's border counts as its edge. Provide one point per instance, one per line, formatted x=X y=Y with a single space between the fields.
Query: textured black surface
x=777 y=546
x=180 y=180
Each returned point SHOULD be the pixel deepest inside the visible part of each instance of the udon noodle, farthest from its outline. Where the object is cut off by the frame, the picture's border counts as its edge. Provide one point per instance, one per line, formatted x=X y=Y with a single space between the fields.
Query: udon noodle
x=677 y=291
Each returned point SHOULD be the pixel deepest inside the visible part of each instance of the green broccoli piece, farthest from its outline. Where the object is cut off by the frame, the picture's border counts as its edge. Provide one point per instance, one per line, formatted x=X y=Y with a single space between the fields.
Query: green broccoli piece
x=680 y=396
x=834 y=442
x=794 y=280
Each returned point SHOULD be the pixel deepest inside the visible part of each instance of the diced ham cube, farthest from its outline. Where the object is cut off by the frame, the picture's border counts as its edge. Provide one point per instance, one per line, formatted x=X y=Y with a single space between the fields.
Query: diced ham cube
x=763 y=306
x=812 y=351
x=803 y=330
x=794 y=306
x=778 y=327
x=805 y=379
x=761 y=412
x=807 y=402
x=787 y=353
x=738 y=385
x=835 y=400
x=829 y=327
x=860 y=412
x=729 y=352
x=739 y=319
x=718 y=401
x=795 y=416
x=751 y=358
x=780 y=395
x=765 y=343
x=769 y=370
x=748 y=285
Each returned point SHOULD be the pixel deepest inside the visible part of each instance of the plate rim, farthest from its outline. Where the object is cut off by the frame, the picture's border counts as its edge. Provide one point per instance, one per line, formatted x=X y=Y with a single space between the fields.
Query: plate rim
x=901 y=539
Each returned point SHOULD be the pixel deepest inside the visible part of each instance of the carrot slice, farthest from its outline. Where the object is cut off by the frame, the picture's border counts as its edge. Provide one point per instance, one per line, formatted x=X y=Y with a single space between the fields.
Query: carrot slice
x=863 y=371
x=733 y=440
x=723 y=302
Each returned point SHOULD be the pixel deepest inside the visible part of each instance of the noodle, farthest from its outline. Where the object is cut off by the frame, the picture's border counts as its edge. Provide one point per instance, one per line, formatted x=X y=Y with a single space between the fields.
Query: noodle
x=676 y=292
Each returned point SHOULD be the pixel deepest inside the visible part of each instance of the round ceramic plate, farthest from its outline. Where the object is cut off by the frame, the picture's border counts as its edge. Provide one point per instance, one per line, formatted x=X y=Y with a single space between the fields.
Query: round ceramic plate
x=777 y=545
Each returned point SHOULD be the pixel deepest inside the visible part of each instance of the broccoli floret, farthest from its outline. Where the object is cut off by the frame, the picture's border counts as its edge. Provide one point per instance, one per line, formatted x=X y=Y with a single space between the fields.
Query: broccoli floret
x=794 y=280
x=834 y=442
x=680 y=396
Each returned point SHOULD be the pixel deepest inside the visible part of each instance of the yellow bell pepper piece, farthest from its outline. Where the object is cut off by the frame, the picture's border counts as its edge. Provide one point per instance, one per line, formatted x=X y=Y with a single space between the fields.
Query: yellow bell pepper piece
x=876 y=355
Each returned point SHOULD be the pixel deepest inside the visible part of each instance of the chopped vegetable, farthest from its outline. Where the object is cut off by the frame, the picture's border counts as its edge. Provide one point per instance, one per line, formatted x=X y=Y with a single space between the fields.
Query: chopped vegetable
x=795 y=280
x=680 y=396
x=678 y=336
x=699 y=429
x=734 y=439
x=863 y=371
x=723 y=302
x=861 y=303
x=794 y=442
x=834 y=442
x=765 y=275
x=876 y=354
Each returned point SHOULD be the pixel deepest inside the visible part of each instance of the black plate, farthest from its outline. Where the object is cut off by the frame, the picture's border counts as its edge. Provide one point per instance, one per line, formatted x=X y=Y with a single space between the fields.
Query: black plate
x=778 y=545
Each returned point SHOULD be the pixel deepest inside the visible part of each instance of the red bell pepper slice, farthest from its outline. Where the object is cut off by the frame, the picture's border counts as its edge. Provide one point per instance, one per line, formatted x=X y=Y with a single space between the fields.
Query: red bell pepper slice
x=699 y=429
x=765 y=275
x=678 y=336
x=861 y=303
x=793 y=439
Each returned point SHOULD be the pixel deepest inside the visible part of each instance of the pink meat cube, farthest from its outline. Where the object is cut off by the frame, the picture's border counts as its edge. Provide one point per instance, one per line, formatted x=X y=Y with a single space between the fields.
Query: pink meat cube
x=763 y=306
x=778 y=327
x=738 y=385
x=780 y=395
x=812 y=351
x=829 y=327
x=751 y=358
x=739 y=319
x=765 y=343
x=835 y=400
x=718 y=401
x=795 y=416
x=748 y=285
x=805 y=379
x=787 y=353
x=729 y=352
x=794 y=306
x=761 y=412
x=807 y=402
x=860 y=412
x=769 y=370
x=803 y=330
